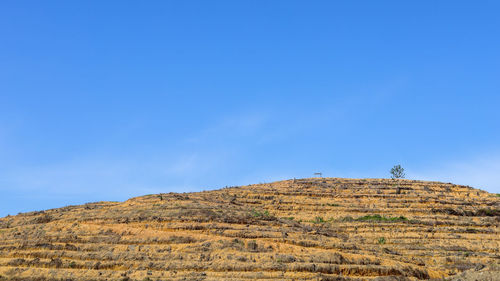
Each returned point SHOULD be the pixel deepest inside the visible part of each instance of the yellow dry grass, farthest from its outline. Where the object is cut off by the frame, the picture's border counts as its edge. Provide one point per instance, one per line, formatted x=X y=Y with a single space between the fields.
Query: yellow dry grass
x=307 y=229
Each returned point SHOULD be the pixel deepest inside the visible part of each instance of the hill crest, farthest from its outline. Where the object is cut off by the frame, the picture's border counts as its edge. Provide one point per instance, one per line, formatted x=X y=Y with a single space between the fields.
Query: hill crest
x=300 y=229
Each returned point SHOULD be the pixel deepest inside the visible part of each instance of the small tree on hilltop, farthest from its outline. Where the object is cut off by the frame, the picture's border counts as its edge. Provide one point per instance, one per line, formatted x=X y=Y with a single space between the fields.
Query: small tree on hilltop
x=397 y=172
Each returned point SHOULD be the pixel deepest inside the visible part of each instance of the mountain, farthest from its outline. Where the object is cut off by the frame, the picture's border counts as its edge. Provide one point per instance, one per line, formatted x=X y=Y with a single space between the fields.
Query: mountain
x=300 y=229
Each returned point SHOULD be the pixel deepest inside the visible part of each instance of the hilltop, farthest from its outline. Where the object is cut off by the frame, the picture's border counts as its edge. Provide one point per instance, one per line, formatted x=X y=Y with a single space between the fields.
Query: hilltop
x=304 y=229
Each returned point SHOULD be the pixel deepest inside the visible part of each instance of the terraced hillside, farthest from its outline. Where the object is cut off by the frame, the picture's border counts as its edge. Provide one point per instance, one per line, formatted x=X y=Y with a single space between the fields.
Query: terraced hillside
x=308 y=229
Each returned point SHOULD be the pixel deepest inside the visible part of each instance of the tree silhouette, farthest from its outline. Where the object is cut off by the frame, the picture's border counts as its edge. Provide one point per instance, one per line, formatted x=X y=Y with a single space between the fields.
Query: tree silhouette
x=397 y=172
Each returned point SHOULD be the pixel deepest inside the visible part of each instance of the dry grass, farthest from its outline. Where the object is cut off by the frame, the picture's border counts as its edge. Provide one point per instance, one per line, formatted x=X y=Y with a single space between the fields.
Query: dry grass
x=308 y=229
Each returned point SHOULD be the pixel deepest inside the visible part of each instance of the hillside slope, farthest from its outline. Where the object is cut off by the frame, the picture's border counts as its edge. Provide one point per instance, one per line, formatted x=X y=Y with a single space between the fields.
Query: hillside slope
x=307 y=229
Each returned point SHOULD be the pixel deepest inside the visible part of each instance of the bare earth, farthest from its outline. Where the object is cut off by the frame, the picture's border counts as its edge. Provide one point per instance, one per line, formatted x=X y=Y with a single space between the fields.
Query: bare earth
x=307 y=229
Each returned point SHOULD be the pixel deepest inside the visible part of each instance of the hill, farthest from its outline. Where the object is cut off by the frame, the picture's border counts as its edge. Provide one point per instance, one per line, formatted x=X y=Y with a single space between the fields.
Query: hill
x=307 y=229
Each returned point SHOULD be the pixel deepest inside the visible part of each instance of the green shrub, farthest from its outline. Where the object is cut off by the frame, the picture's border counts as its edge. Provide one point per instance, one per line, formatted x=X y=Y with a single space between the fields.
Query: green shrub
x=318 y=220
x=381 y=240
x=332 y=205
x=258 y=214
x=380 y=218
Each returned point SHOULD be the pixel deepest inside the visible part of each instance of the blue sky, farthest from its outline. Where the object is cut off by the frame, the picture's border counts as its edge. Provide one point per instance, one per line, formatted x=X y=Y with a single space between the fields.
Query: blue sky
x=105 y=100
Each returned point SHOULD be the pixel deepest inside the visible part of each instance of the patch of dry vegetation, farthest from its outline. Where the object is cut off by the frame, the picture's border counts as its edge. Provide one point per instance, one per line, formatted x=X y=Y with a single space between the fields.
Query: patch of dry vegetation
x=309 y=229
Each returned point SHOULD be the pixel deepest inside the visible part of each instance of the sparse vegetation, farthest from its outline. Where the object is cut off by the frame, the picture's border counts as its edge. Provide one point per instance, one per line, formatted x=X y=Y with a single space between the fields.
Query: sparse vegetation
x=318 y=220
x=290 y=230
x=488 y=212
x=332 y=204
x=258 y=214
x=252 y=245
x=381 y=218
x=347 y=219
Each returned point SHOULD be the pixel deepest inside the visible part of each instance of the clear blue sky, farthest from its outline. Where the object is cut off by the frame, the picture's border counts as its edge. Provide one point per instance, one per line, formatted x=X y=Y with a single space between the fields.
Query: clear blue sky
x=105 y=100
